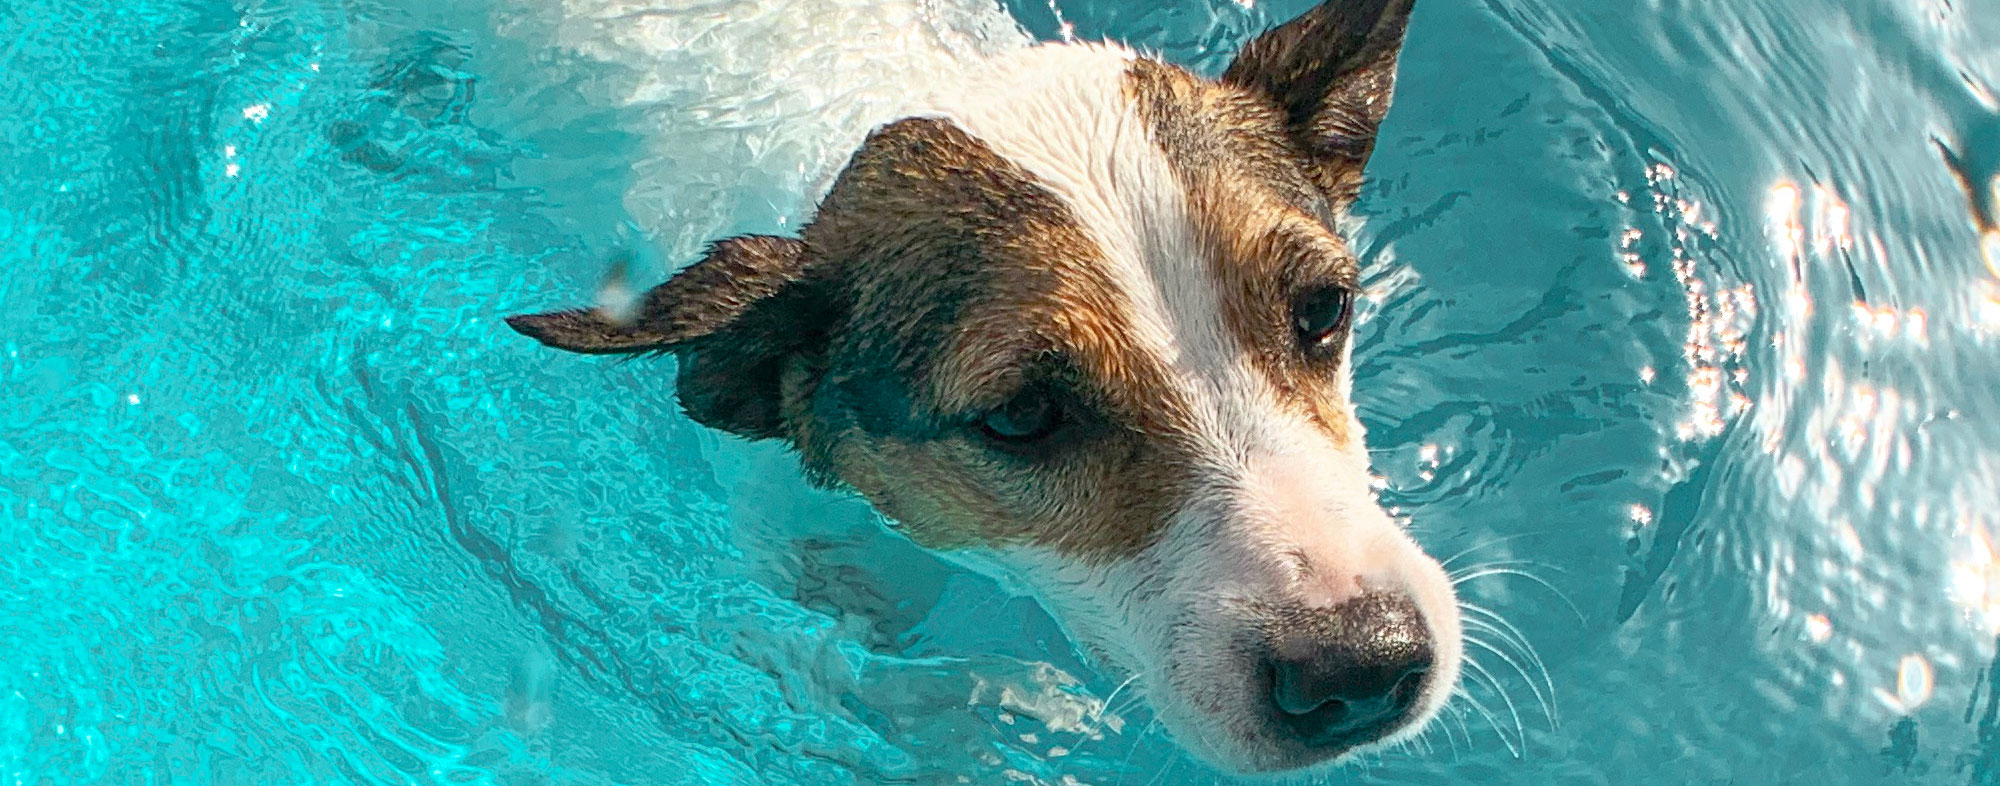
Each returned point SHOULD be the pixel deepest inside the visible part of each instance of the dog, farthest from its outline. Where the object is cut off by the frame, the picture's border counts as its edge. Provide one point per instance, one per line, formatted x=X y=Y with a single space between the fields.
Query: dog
x=1082 y=323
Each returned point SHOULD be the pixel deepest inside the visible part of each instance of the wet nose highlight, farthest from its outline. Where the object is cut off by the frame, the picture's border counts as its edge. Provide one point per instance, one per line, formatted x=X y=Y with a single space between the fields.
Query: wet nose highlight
x=1347 y=675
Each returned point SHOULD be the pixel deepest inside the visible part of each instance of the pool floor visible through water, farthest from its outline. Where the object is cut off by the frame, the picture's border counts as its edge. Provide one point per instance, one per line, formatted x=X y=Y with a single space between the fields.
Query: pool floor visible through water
x=1680 y=329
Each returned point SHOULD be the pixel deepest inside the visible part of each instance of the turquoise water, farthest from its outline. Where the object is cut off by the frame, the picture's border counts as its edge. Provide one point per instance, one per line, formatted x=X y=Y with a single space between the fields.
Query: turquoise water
x=1682 y=329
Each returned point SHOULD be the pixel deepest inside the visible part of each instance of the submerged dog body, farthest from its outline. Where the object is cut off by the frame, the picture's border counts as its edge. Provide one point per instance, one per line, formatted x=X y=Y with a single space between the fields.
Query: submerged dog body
x=1083 y=323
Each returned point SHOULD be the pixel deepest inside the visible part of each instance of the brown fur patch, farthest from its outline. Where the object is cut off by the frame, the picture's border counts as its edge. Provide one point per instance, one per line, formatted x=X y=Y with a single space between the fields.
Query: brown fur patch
x=1263 y=223
x=965 y=281
x=1330 y=72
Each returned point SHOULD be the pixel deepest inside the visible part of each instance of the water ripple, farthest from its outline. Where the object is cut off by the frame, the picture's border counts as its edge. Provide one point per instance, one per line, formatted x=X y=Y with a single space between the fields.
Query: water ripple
x=1679 y=335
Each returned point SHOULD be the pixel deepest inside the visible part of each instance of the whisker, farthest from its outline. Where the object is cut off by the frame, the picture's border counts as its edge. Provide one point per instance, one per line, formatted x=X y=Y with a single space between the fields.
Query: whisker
x=1407 y=746
x=1519 y=729
x=1129 y=703
x=1491 y=543
x=1488 y=715
x=1125 y=766
x=1483 y=572
x=1423 y=740
x=1458 y=714
x=1164 y=769
x=1533 y=687
x=1105 y=712
x=1482 y=626
x=1492 y=622
x=1106 y=707
x=1504 y=563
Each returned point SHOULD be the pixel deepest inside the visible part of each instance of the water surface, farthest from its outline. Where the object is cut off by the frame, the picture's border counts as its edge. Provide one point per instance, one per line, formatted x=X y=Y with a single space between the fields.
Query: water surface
x=1681 y=337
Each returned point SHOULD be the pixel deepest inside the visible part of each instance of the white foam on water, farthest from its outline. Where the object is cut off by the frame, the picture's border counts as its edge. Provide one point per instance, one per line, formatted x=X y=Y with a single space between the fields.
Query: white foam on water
x=748 y=108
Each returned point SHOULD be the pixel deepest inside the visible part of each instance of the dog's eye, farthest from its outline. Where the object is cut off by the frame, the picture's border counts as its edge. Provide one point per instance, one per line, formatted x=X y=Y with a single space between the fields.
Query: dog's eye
x=1028 y=417
x=1320 y=315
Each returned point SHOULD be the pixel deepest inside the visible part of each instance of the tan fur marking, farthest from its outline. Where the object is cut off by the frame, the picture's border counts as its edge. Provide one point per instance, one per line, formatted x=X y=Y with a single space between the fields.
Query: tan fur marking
x=966 y=280
x=1264 y=228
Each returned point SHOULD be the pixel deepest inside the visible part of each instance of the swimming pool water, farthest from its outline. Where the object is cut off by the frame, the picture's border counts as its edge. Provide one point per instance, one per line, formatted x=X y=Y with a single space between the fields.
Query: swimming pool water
x=1682 y=334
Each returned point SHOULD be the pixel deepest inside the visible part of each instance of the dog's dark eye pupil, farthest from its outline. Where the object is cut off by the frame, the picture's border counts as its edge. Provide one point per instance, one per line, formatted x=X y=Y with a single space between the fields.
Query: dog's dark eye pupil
x=1027 y=417
x=1320 y=315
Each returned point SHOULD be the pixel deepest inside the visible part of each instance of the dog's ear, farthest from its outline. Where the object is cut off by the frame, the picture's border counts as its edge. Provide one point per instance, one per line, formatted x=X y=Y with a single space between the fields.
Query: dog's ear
x=1331 y=71
x=733 y=320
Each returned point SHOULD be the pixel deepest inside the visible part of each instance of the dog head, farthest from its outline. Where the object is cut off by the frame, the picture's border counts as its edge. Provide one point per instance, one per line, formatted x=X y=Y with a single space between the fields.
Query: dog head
x=1084 y=322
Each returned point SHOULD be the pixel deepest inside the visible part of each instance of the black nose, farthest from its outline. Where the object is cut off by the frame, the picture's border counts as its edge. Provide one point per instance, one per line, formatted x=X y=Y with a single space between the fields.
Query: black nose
x=1346 y=676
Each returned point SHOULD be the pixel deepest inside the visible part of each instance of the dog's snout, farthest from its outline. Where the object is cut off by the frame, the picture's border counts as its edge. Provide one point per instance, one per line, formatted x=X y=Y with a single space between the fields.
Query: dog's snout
x=1346 y=676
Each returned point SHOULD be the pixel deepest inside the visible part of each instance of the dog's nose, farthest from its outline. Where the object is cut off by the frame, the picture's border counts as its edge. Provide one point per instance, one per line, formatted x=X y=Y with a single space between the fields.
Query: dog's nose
x=1346 y=676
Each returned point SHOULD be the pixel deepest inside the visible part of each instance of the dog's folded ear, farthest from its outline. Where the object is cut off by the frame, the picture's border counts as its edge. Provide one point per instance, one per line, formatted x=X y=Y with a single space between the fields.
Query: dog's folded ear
x=732 y=319
x=1331 y=71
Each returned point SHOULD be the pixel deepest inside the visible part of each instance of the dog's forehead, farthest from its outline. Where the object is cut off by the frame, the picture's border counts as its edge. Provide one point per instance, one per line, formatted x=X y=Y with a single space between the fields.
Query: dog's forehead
x=1145 y=227
x=961 y=267
x=1075 y=195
